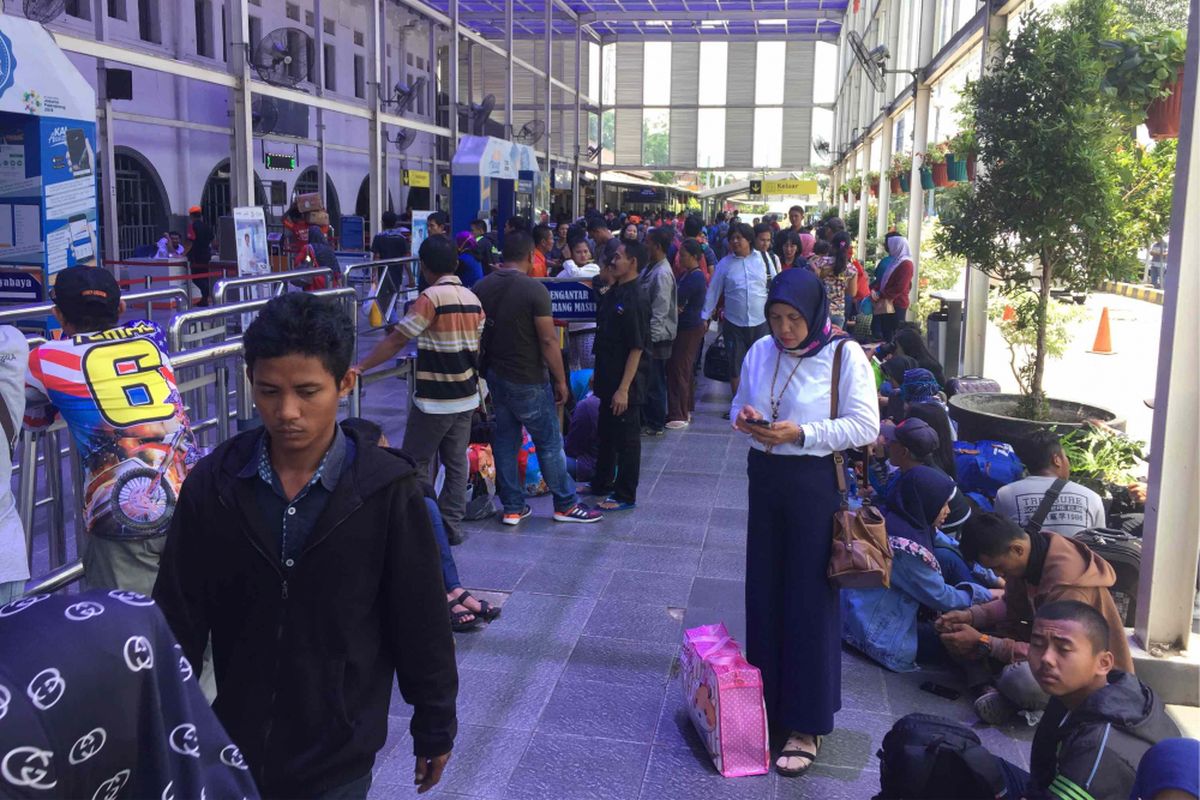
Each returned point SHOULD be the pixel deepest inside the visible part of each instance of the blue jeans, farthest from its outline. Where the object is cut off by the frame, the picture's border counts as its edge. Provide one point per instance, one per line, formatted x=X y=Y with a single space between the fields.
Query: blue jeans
x=530 y=405
x=654 y=411
x=449 y=569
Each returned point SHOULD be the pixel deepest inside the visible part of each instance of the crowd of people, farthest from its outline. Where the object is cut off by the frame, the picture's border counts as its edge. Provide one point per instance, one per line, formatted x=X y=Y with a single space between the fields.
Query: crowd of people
x=304 y=563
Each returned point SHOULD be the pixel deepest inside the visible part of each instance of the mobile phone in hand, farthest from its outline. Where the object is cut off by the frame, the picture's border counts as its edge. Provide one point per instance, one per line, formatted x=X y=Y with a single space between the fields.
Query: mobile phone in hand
x=762 y=423
x=940 y=691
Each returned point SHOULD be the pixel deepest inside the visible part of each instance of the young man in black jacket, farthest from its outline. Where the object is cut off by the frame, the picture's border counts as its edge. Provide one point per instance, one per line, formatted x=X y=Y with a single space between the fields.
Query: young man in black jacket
x=309 y=558
x=1099 y=722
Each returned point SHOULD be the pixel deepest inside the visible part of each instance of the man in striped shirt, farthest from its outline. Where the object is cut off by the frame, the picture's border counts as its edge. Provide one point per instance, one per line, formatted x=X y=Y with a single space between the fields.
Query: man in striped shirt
x=446 y=320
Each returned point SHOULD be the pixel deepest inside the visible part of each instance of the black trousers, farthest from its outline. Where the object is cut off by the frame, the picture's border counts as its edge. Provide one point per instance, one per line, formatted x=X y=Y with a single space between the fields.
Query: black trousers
x=620 y=460
x=203 y=284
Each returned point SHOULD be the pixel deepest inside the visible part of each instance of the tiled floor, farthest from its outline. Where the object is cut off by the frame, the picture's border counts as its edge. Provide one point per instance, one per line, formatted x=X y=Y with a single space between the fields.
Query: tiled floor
x=572 y=693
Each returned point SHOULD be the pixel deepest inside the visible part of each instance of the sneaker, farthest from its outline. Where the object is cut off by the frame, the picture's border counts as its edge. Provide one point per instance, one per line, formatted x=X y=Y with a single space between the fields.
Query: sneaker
x=578 y=513
x=514 y=517
x=677 y=424
x=994 y=708
x=648 y=431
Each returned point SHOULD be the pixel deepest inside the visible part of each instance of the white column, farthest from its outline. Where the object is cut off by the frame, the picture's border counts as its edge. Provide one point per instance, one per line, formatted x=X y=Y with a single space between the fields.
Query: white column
x=976 y=301
x=549 y=43
x=452 y=94
x=241 y=160
x=319 y=50
x=916 y=200
x=104 y=141
x=885 y=185
x=1171 y=542
x=865 y=194
x=376 y=174
x=508 y=69
x=576 y=200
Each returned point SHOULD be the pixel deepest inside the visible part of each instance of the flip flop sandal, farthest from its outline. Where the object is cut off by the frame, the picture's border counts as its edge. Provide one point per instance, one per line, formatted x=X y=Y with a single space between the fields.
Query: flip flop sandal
x=796 y=773
x=487 y=612
x=458 y=619
x=611 y=503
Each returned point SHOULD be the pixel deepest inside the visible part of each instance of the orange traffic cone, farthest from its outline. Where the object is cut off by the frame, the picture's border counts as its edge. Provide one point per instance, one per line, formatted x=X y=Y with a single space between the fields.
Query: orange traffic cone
x=1103 y=344
x=1008 y=315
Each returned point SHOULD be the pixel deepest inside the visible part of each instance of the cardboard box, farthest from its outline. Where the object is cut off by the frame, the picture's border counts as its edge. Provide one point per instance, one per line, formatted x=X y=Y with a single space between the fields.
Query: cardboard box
x=309 y=202
x=320 y=217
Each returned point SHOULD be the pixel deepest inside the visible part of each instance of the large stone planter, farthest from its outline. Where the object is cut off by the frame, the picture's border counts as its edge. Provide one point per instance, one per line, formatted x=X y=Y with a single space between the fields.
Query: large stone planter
x=993 y=416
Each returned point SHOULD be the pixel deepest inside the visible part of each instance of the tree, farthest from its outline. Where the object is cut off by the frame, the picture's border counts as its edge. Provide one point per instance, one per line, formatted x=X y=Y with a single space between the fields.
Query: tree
x=1047 y=192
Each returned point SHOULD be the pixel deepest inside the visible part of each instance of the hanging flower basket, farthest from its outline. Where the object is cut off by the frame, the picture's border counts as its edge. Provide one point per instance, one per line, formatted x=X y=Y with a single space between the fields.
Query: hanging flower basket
x=926 y=178
x=896 y=188
x=905 y=182
x=956 y=168
x=1162 y=116
x=940 y=176
x=971 y=167
x=875 y=188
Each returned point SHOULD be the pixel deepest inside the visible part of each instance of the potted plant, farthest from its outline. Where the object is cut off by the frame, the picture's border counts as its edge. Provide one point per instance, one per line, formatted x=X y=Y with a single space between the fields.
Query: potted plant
x=854 y=185
x=936 y=159
x=1058 y=136
x=1103 y=459
x=901 y=173
x=873 y=182
x=1145 y=75
x=960 y=156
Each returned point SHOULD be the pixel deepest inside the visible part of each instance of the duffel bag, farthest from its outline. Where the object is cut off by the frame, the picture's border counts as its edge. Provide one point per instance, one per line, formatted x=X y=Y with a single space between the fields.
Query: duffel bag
x=971 y=384
x=985 y=466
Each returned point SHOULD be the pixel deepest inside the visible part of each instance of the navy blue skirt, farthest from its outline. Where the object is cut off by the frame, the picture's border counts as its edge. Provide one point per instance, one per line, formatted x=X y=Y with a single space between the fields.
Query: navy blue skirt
x=793 y=617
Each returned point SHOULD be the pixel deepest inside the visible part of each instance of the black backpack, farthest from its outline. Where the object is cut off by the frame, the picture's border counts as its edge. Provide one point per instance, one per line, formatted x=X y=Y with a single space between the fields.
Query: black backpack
x=926 y=757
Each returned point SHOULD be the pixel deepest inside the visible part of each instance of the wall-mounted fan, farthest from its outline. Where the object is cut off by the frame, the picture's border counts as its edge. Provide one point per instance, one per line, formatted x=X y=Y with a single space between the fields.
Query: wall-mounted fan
x=404 y=95
x=479 y=113
x=44 y=10
x=404 y=139
x=871 y=61
x=265 y=114
x=593 y=152
x=531 y=132
x=281 y=56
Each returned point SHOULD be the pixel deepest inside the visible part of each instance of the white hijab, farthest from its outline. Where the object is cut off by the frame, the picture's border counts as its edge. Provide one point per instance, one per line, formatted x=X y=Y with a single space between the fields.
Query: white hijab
x=898 y=249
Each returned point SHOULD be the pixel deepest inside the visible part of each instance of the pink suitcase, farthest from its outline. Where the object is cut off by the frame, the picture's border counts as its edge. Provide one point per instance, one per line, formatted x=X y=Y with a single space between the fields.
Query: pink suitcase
x=724 y=697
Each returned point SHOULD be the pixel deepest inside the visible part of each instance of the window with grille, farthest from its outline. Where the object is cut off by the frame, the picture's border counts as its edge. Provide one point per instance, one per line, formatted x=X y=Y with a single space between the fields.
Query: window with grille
x=330 y=68
x=360 y=76
x=149 y=29
x=330 y=27
x=80 y=9
x=116 y=9
x=293 y=11
x=141 y=210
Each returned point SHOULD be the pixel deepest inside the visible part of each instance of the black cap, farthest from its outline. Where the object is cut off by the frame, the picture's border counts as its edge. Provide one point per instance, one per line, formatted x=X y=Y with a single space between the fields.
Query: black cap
x=86 y=291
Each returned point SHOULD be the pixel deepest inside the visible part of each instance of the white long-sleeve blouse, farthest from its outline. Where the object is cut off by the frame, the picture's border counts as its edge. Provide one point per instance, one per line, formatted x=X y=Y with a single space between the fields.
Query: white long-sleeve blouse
x=806 y=398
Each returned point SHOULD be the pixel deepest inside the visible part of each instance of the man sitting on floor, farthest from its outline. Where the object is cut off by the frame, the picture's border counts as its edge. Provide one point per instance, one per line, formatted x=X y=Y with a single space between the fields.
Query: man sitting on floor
x=1038 y=569
x=1100 y=720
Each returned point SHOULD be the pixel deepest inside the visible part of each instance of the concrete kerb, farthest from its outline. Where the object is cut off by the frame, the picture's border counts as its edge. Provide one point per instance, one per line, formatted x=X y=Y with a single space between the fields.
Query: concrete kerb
x=1147 y=293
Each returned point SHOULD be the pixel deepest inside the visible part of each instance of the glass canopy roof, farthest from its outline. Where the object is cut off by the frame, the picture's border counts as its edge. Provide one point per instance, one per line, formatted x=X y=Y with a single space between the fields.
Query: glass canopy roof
x=660 y=19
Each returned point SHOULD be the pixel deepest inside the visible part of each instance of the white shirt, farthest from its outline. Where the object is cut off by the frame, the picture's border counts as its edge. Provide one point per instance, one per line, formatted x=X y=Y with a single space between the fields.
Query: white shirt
x=1076 y=509
x=805 y=399
x=164 y=249
x=743 y=281
x=586 y=272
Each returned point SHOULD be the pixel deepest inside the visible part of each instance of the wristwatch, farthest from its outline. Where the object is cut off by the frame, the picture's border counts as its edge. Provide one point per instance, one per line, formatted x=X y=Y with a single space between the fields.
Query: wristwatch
x=984 y=646
x=799 y=442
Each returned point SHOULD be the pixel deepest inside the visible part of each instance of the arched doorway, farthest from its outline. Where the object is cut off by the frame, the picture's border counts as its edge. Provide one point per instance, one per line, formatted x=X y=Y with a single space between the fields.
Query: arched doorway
x=142 y=208
x=306 y=183
x=362 y=204
x=216 y=200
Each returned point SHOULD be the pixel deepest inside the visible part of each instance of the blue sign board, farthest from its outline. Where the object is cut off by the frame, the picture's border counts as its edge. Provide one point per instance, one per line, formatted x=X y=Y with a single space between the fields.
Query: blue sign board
x=20 y=287
x=571 y=299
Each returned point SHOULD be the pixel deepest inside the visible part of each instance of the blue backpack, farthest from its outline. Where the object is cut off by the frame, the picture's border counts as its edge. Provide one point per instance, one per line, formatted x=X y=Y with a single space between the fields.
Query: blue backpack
x=985 y=466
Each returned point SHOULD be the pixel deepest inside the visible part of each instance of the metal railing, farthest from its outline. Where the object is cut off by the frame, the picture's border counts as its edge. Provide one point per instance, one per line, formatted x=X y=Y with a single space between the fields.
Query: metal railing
x=11 y=316
x=203 y=378
x=278 y=281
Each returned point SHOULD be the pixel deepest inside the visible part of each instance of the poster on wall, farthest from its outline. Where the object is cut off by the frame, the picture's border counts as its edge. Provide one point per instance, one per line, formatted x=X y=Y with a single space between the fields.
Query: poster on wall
x=250 y=232
x=420 y=229
x=69 y=185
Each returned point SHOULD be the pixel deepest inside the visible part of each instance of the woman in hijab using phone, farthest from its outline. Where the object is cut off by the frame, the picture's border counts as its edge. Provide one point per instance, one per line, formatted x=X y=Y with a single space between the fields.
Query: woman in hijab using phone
x=793 y=622
x=883 y=623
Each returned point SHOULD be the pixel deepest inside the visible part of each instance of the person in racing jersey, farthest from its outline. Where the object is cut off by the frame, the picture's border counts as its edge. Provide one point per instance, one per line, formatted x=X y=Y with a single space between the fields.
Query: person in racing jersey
x=113 y=384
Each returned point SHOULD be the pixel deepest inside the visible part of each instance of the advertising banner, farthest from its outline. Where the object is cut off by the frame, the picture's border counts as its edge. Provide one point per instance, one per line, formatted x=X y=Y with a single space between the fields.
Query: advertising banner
x=420 y=229
x=250 y=236
x=69 y=187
